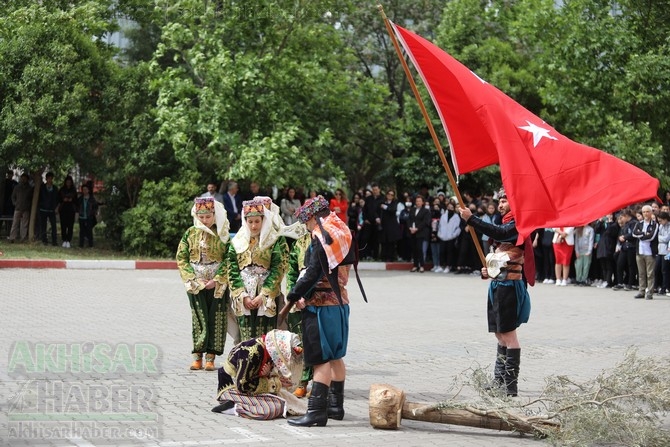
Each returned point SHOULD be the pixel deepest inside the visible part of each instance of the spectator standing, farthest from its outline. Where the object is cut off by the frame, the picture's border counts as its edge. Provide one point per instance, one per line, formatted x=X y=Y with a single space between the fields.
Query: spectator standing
x=548 y=271
x=10 y=183
x=564 y=245
x=354 y=213
x=48 y=205
x=22 y=196
x=467 y=254
x=492 y=217
x=448 y=232
x=232 y=202
x=339 y=205
x=584 y=241
x=662 y=273
x=645 y=233
x=67 y=209
x=606 y=231
x=289 y=206
x=391 y=232
x=369 y=240
x=87 y=208
x=213 y=192
x=435 y=245
x=626 y=263
x=419 y=228
x=254 y=190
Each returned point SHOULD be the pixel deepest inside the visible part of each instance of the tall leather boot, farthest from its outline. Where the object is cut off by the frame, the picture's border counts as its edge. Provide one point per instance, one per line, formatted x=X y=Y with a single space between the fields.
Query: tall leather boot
x=499 y=369
x=317 y=408
x=336 y=400
x=512 y=371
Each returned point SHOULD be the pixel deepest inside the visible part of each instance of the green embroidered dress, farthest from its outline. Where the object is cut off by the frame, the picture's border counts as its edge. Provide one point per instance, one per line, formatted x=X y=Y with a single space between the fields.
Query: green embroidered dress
x=257 y=271
x=201 y=256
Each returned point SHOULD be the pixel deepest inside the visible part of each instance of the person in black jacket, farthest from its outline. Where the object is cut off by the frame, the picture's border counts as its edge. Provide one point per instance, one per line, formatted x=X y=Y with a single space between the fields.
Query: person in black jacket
x=391 y=232
x=48 y=205
x=607 y=231
x=419 y=229
x=321 y=295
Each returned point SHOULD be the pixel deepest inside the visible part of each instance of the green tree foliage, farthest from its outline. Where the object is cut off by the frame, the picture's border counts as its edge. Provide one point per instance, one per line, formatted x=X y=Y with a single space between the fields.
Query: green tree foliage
x=260 y=90
x=607 y=83
x=53 y=74
x=155 y=226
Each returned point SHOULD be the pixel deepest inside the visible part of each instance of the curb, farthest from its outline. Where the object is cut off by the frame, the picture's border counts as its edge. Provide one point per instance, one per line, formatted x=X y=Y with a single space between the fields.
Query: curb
x=88 y=264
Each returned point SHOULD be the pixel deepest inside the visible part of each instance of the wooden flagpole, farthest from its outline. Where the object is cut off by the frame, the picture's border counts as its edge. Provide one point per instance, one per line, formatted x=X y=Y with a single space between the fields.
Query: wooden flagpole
x=436 y=141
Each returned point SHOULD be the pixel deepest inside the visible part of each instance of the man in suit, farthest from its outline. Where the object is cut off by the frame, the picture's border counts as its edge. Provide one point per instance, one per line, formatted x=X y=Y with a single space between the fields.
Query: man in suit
x=232 y=201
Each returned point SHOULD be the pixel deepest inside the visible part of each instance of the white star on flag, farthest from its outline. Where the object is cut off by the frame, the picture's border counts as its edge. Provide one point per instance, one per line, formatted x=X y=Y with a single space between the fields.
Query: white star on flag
x=538 y=132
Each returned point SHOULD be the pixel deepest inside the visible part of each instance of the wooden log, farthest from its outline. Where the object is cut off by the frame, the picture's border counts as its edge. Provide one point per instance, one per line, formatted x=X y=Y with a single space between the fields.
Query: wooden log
x=386 y=404
x=388 y=407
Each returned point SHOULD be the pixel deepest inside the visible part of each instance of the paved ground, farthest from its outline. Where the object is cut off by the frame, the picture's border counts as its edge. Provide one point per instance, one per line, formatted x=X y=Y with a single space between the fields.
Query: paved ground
x=109 y=344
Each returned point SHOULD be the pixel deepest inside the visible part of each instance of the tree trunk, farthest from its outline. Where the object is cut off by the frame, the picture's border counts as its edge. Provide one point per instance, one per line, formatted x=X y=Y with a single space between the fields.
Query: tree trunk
x=388 y=407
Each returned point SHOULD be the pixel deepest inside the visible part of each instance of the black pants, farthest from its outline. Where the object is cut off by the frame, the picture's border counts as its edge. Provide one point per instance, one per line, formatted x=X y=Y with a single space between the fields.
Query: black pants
x=606 y=265
x=66 y=226
x=626 y=267
x=85 y=232
x=51 y=217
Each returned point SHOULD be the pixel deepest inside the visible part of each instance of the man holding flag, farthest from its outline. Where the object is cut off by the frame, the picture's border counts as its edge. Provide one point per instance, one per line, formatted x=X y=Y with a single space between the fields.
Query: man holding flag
x=508 y=303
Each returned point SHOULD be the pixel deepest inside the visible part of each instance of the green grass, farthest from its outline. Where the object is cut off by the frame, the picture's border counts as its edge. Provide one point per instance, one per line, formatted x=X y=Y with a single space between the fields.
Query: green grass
x=36 y=250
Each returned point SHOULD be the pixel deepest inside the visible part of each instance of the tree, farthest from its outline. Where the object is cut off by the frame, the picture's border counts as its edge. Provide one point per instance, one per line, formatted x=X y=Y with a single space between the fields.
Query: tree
x=53 y=73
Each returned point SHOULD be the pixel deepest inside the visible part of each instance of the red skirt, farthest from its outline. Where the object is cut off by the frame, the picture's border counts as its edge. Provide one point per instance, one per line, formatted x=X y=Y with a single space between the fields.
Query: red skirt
x=563 y=253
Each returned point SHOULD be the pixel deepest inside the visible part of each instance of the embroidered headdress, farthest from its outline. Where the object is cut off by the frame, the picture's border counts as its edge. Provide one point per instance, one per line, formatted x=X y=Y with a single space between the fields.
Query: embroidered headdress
x=253 y=207
x=204 y=205
x=311 y=208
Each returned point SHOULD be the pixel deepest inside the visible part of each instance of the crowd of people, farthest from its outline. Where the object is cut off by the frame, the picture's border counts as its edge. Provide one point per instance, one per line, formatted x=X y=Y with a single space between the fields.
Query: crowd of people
x=64 y=204
x=426 y=230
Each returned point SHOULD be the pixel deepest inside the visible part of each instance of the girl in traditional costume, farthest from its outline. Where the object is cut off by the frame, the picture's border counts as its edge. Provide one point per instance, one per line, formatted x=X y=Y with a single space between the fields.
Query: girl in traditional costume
x=258 y=259
x=255 y=380
x=296 y=264
x=202 y=263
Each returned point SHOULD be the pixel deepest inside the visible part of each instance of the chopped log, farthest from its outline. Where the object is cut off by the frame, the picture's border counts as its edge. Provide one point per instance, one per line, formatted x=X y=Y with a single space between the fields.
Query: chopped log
x=386 y=404
x=388 y=407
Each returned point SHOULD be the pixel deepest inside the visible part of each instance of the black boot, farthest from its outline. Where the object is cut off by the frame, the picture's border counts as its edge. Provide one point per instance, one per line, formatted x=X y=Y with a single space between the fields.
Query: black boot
x=336 y=400
x=223 y=406
x=512 y=371
x=317 y=408
x=499 y=369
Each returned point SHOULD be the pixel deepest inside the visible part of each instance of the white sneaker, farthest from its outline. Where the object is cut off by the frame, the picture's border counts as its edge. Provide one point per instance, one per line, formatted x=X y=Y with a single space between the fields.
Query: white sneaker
x=446 y=270
x=550 y=281
x=546 y=281
x=438 y=270
x=564 y=282
x=68 y=245
x=559 y=283
x=64 y=244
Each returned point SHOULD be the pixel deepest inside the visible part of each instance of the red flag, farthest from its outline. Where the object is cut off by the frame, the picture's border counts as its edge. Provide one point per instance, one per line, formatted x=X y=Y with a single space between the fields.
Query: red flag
x=550 y=180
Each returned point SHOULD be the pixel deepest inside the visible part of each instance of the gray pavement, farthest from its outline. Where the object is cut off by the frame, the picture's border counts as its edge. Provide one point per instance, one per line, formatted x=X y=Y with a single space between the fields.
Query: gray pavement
x=112 y=347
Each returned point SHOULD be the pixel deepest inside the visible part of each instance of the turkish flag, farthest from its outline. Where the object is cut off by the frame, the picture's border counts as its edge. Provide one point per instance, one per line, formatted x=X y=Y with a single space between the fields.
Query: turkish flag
x=550 y=180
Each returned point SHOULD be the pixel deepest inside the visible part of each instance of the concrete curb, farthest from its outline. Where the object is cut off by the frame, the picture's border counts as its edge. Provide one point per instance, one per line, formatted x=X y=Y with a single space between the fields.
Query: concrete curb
x=111 y=264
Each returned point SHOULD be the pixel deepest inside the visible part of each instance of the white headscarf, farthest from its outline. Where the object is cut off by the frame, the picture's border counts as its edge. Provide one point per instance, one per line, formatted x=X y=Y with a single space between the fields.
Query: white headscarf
x=221 y=219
